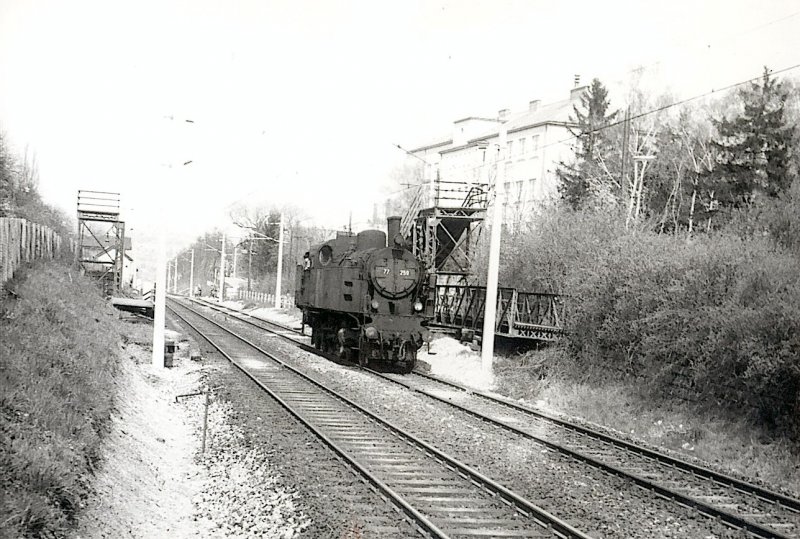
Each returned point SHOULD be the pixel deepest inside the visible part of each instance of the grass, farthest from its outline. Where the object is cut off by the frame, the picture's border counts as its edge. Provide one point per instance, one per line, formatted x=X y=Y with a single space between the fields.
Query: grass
x=731 y=443
x=60 y=347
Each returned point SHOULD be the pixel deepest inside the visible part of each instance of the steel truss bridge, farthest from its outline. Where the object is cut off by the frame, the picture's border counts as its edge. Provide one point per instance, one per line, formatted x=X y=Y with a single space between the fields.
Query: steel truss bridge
x=522 y=315
x=443 y=226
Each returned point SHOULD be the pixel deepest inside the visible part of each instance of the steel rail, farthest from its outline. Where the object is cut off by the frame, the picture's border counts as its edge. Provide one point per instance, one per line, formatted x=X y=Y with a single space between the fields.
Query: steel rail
x=764 y=494
x=416 y=517
x=731 y=519
x=727 y=481
x=244 y=317
x=541 y=516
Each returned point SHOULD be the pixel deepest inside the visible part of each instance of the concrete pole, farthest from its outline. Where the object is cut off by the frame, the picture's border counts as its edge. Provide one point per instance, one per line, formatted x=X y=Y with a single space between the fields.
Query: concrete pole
x=490 y=313
x=234 y=260
x=191 y=277
x=249 y=261
x=175 y=277
x=221 y=294
x=431 y=185
x=159 y=316
x=623 y=181
x=159 y=319
x=280 y=266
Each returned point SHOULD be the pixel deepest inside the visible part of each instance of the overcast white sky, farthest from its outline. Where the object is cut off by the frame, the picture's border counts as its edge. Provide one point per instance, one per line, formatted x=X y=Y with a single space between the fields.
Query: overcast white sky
x=301 y=101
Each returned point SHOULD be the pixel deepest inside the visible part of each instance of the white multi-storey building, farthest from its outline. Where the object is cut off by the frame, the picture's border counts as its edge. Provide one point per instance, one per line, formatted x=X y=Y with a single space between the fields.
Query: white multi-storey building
x=536 y=140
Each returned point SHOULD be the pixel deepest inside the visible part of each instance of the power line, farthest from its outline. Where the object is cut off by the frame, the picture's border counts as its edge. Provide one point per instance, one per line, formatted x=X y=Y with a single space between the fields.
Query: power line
x=634 y=117
x=675 y=104
x=409 y=153
x=705 y=46
x=657 y=110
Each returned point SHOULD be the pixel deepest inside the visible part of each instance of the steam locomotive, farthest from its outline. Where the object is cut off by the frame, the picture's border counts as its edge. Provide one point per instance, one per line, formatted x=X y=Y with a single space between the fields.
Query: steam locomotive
x=364 y=299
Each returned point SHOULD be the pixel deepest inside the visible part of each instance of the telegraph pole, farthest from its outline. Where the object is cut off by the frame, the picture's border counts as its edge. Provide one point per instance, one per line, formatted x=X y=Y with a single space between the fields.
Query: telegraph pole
x=625 y=134
x=249 y=261
x=221 y=294
x=191 y=277
x=159 y=314
x=234 y=260
x=280 y=266
x=490 y=313
x=175 y=277
x=159 y=318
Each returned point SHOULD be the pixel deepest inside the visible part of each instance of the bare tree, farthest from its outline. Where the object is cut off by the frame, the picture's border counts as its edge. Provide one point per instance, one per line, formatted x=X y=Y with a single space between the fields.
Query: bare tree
x=28 y=177
x=261 y=226
x=402 y=186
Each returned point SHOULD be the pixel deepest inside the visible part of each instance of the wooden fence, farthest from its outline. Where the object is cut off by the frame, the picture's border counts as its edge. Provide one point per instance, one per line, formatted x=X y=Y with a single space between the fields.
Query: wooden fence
x=22 y=241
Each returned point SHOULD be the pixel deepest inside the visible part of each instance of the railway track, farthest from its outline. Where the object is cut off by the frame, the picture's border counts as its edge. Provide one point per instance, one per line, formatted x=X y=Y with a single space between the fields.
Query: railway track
x=739 y=504
x=443 y=497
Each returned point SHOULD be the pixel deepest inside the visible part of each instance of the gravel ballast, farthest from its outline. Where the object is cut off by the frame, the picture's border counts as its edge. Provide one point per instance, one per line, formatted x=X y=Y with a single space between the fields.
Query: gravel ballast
x=333 y=500
x=591 y=500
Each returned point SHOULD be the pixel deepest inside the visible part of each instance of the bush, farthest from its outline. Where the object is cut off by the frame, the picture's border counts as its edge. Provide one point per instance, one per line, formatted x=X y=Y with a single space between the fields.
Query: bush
x=717 y=317
x=58 y=358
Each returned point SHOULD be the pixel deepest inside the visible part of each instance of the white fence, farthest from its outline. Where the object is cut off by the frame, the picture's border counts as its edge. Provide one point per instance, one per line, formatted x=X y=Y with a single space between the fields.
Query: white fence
x=287 y=300
x=22 y=241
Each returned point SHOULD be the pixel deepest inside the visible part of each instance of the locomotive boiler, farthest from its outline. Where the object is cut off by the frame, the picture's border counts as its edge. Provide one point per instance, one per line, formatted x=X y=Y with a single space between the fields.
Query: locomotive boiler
x=364 y=299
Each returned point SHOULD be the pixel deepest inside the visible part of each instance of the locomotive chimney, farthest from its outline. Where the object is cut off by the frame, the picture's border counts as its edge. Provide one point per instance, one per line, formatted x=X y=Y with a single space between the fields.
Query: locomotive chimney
x=392 y=229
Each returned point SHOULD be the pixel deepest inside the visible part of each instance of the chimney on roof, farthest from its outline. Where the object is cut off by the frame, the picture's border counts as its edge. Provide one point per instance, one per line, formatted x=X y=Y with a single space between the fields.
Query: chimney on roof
x=533 y=106
x=576 y=81
x=503 y=114
x=577 y=93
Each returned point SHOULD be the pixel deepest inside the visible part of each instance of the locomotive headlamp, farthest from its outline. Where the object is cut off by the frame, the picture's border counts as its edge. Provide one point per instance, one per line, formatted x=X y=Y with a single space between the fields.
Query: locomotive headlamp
x=371 y=333
x=375 y=304
x=418 y=306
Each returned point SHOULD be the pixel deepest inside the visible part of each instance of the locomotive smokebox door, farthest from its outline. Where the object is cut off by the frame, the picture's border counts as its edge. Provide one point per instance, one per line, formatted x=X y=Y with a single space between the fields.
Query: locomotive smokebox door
x=394 y=277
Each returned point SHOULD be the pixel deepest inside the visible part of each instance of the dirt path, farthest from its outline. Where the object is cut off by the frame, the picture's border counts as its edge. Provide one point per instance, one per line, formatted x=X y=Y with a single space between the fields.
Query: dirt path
x=149 y=474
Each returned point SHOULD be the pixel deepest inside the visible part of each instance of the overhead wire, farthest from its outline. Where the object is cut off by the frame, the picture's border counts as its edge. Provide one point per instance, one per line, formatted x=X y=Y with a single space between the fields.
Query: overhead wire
x=659 y=109
x=705 y=46
x=649 y=112
x=676 y=103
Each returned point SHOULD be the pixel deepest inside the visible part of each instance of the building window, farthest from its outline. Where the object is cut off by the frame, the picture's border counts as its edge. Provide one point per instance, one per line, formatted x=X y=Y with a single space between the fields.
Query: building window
x=515 y=201
x=521 y=148
x=534 y=143
x=514 y=191
x=510 y=150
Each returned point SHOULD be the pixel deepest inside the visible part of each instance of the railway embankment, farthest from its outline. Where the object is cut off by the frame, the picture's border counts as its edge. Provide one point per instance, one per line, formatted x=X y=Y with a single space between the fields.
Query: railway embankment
x=60 y=353
x=94 y=443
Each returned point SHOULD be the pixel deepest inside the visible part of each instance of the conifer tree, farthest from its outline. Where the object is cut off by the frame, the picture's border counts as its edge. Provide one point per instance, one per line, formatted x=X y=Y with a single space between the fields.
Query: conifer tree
x=592 y=144
x=754 y=148
x=6 y=180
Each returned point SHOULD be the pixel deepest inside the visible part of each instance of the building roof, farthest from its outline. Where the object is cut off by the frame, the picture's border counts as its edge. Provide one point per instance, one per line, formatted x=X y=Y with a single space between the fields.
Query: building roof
x=552 y=113
x=443 y=140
